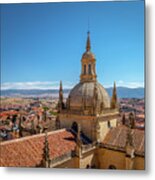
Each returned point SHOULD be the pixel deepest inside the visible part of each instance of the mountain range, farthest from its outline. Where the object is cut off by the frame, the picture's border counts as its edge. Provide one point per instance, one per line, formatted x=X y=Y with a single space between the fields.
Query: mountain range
x=122 y=92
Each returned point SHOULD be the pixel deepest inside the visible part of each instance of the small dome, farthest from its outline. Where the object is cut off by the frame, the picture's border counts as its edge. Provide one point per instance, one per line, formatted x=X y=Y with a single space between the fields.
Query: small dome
x=85 y=91
x=88 y=55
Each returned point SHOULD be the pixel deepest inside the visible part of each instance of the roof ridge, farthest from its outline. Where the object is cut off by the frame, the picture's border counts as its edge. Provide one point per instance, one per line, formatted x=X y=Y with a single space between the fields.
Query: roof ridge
x=31 y=137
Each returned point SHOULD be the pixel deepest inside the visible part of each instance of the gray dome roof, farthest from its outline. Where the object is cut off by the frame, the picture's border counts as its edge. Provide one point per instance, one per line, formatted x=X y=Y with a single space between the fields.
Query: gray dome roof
x=85 y=90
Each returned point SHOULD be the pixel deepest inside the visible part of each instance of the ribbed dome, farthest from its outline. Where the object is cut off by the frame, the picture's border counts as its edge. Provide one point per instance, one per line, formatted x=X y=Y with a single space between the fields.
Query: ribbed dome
x=84 y=91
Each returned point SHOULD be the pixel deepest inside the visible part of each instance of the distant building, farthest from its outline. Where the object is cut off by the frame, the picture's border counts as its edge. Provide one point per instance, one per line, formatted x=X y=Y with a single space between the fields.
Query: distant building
x=89 y=133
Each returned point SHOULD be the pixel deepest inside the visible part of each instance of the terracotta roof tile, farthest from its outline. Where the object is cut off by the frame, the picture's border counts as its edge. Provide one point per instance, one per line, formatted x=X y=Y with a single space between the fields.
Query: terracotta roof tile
x=116 y=139
x=6 y=113
x=27 y=151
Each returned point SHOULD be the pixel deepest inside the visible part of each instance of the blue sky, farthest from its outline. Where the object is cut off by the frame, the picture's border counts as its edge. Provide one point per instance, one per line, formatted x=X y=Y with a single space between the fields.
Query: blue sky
x=42 y=44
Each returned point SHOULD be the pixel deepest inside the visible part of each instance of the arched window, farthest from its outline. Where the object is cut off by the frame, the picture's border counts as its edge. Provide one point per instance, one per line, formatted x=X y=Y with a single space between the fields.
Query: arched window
x=112 y=167
x=84 y=69
x=75 y=127
x=109 y=125
x=89 y=68
x=87 y=167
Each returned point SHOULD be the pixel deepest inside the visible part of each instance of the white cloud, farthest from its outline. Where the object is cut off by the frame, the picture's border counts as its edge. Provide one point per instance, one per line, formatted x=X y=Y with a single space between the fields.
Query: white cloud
x=130 y=84
x=122 y=83
x=35 y=85
x=55 y=85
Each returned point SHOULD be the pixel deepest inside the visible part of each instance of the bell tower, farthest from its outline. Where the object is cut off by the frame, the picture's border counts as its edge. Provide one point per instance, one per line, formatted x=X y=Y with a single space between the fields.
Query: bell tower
x=88 y=62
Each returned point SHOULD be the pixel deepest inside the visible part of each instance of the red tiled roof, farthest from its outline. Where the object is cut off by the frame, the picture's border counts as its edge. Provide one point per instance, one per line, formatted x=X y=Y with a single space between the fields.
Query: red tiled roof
x=6 y=113
x=27 y=151
x=116 y=139
x=3 y=118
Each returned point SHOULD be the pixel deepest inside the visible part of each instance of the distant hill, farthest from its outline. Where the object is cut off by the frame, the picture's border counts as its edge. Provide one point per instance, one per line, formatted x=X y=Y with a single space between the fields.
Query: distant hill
x=122 y=92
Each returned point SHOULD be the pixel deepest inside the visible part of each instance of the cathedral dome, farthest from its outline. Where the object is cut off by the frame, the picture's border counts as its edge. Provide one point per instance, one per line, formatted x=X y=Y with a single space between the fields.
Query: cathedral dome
x=82 y=96
x=88 y=96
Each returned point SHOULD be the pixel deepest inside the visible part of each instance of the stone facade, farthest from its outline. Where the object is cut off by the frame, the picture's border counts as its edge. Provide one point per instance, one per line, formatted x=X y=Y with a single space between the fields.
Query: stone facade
x=103 y=158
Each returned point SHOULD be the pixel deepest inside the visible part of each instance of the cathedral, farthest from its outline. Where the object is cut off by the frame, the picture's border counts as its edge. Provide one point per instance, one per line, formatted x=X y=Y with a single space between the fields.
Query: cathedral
x=90 y=132
x=88 y=106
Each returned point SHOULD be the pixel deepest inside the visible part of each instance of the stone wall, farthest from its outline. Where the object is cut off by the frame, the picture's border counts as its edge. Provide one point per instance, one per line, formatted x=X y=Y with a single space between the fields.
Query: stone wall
x=102 y=158
x=72 y=163
x=88 y=159
x=105 y=126
x=86 y=122
x=139 y=163
x=111 y=158
x=118 y=160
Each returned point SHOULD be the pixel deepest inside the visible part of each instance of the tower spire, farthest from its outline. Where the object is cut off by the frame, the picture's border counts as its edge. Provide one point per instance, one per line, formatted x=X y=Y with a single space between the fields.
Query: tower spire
x=60 y=103
x=46 y=156
x=88 y=70
x=88 y=46
x=114 y=97
x=60 y=85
